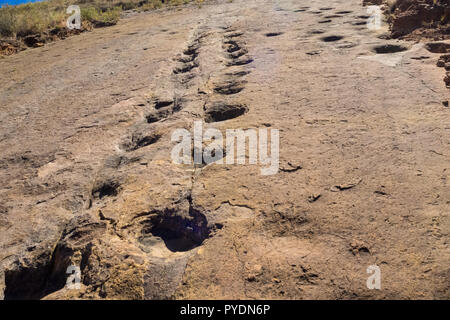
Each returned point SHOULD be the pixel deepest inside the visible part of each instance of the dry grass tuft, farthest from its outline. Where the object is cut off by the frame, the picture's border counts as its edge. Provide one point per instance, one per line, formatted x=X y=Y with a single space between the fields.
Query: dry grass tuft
x=34 y=18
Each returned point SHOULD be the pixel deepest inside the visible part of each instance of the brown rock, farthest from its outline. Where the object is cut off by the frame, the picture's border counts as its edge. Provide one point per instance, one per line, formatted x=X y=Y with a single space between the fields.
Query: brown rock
x=447 y=79
x=88 y=180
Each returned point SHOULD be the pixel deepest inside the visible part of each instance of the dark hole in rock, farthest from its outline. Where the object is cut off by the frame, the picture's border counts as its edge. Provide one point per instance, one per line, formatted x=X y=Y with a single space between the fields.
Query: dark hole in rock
x=332 y=38
x=237 y=73
x=26 y=283
x=364 y=250
x=157 y=116
x=179 y=233
x=316 y=32
x=325 y=21
x=147 y=140
x=231 y=87
x=389 y=48
x=273 y=34
x=220 y=111
x=344 y=12
x=186 y=77
x=237 y=54
x=106 y=189
x=46 y=275
x=185 y=67
x=177 y=105
x=240 y=62
x=162 y=104
x=232 y=46
x=191 y=50
x=186 y=59
x=154 y=117
x=139 y=141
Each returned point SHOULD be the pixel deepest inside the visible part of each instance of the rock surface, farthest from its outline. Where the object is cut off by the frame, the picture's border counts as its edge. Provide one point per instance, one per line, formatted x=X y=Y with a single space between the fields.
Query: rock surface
x=88 y=179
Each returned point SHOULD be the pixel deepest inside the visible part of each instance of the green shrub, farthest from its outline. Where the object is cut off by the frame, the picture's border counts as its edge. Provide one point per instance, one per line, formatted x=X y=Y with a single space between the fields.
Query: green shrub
x=28 y=19
x=7 y=24
x=99 y=17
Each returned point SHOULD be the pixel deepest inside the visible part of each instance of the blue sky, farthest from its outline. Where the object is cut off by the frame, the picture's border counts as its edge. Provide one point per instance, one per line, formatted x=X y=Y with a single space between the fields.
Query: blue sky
x=14 y=2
